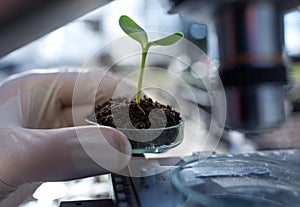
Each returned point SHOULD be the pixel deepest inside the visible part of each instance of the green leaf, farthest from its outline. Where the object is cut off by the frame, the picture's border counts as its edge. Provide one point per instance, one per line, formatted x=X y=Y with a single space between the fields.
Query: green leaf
x=133 y=30
x=168 y=40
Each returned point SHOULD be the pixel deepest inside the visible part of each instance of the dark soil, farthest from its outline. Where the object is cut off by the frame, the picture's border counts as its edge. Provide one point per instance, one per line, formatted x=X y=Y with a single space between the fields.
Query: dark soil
x=114 y=113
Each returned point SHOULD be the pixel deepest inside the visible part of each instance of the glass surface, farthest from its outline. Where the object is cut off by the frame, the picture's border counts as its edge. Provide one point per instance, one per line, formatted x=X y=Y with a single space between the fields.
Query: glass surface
x=152 y=140
x=238 y=182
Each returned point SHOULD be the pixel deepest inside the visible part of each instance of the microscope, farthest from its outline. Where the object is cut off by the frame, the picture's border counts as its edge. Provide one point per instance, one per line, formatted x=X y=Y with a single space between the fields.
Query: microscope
x=252 y=66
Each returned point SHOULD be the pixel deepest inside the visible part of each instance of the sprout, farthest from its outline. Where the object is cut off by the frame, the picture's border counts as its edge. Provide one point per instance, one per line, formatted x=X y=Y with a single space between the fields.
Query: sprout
x=137 y=33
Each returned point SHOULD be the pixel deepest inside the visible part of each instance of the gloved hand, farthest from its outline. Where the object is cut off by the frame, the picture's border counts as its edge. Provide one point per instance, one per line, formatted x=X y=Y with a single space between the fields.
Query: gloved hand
x=42 y=134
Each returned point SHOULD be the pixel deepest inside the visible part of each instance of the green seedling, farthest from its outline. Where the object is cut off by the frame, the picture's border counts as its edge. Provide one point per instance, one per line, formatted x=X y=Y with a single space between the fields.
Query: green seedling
x=136 y=32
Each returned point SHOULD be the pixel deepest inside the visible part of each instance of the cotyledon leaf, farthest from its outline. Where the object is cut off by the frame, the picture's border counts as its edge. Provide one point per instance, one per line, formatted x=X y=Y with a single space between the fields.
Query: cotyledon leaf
x=133 y=30
x=168 y=40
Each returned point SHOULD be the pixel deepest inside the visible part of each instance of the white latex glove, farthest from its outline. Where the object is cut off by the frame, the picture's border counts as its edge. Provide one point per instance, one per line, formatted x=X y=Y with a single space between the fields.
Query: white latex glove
x=38 y=139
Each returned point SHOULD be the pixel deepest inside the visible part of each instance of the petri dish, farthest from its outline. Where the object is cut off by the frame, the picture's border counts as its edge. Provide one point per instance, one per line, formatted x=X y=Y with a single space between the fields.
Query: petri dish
x=152 y=140
x=231 y=182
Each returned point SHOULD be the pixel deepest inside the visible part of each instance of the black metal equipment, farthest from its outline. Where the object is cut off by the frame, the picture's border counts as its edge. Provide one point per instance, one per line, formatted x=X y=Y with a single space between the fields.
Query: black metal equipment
x=252 y=69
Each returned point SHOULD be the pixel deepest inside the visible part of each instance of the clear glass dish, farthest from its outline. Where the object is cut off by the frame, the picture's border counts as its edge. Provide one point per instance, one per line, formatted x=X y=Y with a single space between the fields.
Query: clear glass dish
x=230 y=182
x=151 y=140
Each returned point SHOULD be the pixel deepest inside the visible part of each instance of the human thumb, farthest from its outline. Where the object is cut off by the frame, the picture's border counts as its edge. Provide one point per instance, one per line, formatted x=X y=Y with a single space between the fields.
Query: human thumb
x=77 y=152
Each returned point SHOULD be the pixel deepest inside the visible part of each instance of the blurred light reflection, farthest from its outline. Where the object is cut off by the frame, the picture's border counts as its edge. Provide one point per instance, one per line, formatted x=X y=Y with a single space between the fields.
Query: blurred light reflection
x=292 y=32
x=48 y=192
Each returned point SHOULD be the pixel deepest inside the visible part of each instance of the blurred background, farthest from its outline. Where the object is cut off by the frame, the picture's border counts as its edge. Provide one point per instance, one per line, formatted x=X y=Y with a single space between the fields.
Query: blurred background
x=77 y=44
x=73 y=44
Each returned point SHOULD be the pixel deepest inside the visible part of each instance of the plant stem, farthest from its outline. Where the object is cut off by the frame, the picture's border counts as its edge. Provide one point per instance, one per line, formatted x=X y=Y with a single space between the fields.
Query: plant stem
x=139 y=87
